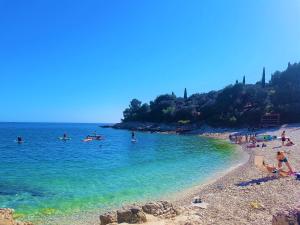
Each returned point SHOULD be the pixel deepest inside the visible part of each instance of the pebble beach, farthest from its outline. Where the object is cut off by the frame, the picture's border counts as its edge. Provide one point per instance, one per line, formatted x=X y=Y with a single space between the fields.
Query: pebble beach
x=231 y=203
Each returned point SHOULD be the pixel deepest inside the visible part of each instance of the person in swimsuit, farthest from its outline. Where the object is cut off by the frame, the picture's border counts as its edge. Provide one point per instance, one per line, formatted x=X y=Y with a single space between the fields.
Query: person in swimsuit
x=283 y=137
x=281 y=157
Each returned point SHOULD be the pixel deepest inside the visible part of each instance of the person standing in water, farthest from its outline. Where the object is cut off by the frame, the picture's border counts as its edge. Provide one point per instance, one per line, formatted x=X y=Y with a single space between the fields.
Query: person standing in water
x=132 y=135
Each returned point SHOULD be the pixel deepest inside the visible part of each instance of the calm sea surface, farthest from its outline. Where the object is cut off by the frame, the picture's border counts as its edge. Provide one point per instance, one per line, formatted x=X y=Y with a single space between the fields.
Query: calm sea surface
x=46 y=176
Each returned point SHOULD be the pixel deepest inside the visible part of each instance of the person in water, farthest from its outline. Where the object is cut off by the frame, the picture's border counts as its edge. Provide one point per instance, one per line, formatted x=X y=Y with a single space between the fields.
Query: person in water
x=19 y=139
x=65 y=136
x=133 y=135
x=281 y=157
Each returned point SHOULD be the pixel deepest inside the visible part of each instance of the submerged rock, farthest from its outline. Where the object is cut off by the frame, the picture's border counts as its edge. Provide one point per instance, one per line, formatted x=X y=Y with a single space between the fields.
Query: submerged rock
x=6 y=218
x=108 y=218
x=132 y=215
x=287 y=218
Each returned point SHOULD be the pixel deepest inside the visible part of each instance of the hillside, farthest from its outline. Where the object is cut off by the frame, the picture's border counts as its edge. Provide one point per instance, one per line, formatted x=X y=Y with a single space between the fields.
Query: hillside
x=240 y=104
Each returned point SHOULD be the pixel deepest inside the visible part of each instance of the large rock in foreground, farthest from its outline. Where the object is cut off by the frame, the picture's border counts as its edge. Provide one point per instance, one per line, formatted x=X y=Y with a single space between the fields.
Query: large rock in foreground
x=287 y=218
x=108 y=218
x=161 y=209
x=132 y=215
x=6 y=218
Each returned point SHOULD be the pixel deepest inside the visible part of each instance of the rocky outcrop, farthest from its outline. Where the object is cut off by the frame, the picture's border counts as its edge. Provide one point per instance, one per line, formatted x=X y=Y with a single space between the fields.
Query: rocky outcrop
x=108 y=218
x=156 y=127
x=291 y=217
x=6 y=218
x=132 y=215
x=162 y=209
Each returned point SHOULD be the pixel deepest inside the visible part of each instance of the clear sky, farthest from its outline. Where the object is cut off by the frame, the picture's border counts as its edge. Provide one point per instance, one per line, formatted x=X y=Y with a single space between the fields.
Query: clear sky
x=83 y=61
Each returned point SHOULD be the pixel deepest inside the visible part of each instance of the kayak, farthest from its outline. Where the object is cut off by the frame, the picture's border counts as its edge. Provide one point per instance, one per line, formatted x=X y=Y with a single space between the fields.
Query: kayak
x=133 y=140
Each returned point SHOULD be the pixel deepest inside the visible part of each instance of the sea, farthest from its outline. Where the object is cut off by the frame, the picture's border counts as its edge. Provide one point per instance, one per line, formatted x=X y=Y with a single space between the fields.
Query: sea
x=45 y=176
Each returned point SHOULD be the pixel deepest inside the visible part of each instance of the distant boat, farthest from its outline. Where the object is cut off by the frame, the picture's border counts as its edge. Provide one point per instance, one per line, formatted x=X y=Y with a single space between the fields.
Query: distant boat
x=93 y=138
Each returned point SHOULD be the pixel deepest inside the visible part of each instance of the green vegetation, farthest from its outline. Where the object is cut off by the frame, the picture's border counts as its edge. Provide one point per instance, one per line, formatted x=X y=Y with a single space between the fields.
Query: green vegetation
x=235 y=105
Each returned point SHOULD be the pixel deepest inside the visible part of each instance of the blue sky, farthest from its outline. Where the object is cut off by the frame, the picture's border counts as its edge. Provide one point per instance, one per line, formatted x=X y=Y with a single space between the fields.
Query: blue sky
x=83 y=61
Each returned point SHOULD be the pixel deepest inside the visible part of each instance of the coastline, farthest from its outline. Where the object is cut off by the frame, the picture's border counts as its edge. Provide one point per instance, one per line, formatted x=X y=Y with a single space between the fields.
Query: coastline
x=228 y=203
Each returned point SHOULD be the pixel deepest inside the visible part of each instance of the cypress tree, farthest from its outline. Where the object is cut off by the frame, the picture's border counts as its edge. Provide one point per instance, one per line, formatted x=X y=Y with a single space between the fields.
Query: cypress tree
x=263 y=79
x=244 y=80
x=185 y=94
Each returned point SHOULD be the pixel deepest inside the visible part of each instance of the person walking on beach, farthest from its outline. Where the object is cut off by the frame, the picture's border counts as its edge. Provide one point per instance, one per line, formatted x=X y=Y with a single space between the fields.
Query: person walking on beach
x=283 y=138
x=281 y=157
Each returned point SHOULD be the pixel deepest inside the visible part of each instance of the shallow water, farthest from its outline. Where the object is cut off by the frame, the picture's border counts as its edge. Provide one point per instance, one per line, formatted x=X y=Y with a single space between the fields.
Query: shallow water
x=45 y=176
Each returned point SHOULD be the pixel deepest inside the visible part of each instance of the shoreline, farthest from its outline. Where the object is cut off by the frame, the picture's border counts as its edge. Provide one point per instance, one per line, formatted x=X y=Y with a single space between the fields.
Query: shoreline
x=228 y=203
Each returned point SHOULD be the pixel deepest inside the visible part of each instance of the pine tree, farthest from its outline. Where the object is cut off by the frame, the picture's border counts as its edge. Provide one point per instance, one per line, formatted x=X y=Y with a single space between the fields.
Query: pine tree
x=244 y=80
x=185 y=94
x=263 y=79
x=236 y=82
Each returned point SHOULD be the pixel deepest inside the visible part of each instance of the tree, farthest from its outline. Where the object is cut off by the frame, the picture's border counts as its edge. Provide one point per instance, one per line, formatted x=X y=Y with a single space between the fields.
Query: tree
x=236 y=82
x=244 y=80
x=263 y=79
x=185 y=94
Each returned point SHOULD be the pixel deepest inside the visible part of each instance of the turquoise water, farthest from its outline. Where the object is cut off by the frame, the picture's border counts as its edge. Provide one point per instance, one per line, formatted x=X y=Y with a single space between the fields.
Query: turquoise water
x=45 y=176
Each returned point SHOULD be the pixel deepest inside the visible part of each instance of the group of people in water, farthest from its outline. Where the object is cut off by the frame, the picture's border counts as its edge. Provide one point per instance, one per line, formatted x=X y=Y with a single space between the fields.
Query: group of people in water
x=93 y=137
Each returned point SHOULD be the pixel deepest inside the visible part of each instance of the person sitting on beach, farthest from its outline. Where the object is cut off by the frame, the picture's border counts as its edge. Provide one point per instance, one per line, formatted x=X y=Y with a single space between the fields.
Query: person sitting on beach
x=283 y=138
x=281 y=157
x=263 y=145
x=289 y=142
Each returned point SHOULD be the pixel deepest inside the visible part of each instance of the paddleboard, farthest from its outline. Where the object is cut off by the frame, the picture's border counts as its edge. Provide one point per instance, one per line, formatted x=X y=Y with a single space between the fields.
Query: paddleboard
x=64 y=138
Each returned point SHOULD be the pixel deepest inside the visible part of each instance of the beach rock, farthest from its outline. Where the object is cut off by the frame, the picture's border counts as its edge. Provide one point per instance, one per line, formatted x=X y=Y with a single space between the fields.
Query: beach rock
x=108 y=218
x=161 y=208
x=132 y=215
x=6 y=218
x=291 y=217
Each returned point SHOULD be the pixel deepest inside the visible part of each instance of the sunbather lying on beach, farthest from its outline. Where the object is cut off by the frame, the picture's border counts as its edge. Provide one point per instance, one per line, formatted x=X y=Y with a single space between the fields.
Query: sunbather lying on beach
x=281 y=157
x=273 y=169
